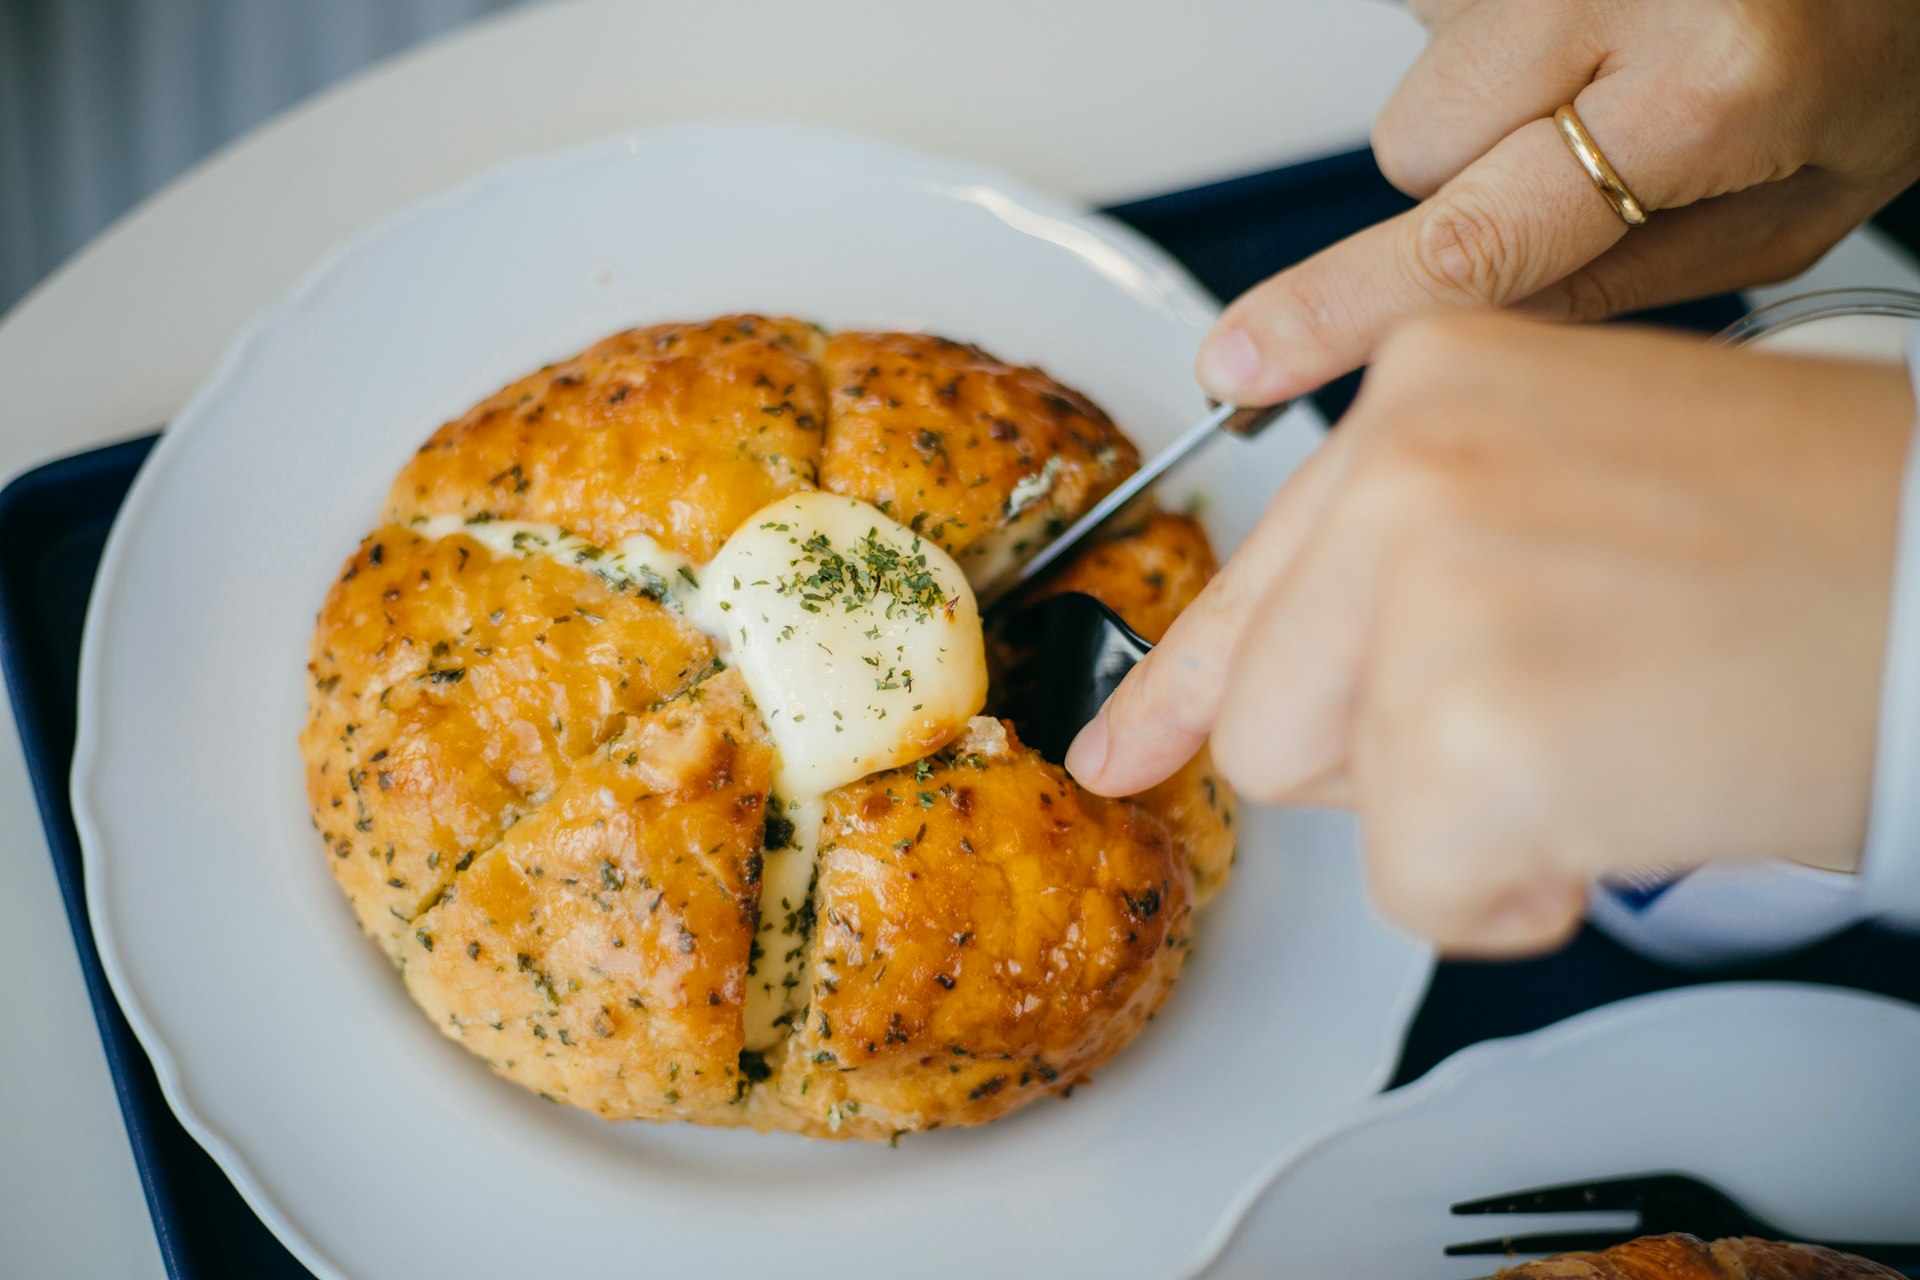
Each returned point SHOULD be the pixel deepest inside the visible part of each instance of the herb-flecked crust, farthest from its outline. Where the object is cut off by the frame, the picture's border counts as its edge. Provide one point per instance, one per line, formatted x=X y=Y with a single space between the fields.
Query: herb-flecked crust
x=449 y=693
x=547 y=797
x=985 y=458
x=598 y=953
x=678 y=432
x=986 y=933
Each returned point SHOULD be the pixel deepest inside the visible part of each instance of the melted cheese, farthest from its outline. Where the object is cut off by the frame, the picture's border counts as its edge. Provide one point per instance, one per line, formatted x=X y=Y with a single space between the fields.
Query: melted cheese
x=859 y=641
x=780 y=938
x=861 y=645
x=637 y=564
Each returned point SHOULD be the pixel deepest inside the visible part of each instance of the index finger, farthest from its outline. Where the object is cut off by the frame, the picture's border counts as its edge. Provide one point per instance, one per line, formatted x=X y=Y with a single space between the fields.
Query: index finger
x=1164 y=710
x=1521 y=217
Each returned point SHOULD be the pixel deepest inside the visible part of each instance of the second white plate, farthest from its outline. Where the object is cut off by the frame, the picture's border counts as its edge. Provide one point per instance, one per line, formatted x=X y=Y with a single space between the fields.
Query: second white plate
x=1799 y=1101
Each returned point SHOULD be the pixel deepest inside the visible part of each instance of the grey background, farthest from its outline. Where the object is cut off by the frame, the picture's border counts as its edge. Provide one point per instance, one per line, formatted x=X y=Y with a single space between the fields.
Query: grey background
x=103 y=101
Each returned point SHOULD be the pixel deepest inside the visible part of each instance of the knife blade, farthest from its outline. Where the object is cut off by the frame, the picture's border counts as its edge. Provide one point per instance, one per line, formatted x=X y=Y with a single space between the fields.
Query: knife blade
x=1238 y=420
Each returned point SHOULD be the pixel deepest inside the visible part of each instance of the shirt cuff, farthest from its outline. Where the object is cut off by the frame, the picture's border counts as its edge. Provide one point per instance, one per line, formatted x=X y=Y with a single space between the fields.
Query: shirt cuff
x=1890 y=866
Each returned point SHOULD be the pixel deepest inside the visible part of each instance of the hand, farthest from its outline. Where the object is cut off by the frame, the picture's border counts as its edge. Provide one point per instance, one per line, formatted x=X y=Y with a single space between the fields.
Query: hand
x=1550 y=603
x=1759 y=131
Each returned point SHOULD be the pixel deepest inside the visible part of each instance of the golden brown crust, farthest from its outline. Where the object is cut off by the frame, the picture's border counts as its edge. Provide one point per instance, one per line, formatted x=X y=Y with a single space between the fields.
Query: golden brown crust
x=1753 y=1259
x=1685 y=1257
x=544 y=794
x=598 y=952
x=449 y=692
x=1147 y=575
x=1200 y=811
x=678 y=432
x=956 y=444
x=986 y=932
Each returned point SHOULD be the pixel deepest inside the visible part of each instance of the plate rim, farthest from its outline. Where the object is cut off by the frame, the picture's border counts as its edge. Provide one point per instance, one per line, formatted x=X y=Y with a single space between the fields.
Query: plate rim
x=84 y=773
x=1466 y=1063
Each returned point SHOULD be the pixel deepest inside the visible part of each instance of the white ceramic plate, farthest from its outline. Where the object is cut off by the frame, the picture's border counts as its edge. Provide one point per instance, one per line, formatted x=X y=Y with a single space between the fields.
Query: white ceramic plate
x=1799 y=1101
x=373 y=1146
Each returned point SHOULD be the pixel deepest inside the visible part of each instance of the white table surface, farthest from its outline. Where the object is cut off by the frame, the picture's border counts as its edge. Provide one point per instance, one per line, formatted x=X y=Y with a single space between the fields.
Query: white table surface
x=1101 y=99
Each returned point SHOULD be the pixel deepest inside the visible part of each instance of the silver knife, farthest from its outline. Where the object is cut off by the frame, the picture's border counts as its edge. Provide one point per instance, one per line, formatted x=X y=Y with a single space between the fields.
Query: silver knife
x=1245 y=422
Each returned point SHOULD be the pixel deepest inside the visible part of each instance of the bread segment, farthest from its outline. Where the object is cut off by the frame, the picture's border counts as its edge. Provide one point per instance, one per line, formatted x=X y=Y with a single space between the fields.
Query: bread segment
x=985 y=933
x=598 y=953
x=985 y=458
x=677 y=431
x=449 y=692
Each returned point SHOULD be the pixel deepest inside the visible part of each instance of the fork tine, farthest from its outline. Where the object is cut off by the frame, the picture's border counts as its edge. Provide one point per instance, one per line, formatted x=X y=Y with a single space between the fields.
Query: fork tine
x=1605 y=1195
x=1544 y=1242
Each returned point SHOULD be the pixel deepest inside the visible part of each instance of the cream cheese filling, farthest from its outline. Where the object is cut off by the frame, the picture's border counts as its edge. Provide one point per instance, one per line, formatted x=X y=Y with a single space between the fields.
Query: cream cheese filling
x=859 y=642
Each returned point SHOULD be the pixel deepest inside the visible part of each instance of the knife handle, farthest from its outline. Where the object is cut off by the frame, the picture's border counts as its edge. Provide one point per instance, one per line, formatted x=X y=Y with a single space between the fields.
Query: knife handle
x=1250 y=421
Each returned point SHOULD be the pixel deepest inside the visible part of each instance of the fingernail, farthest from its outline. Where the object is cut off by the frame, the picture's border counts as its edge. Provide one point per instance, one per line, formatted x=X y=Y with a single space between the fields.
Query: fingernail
x=1229 y=366
x=1089 y=750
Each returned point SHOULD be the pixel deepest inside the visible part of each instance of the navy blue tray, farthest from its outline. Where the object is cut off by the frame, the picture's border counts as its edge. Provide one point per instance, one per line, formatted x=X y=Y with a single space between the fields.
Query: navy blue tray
x=53 y=526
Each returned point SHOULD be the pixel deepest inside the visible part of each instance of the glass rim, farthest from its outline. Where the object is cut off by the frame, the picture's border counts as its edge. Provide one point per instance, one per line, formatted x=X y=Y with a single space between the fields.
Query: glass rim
x=1821 y=304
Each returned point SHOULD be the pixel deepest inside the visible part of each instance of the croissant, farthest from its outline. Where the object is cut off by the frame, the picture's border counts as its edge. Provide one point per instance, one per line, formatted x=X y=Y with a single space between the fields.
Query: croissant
x=1685 y=1257
x=553 y=710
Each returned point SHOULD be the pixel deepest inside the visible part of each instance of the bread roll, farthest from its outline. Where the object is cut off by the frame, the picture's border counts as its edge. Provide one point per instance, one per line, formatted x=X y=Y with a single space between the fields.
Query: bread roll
x=1684 y=1257
x=550 y=795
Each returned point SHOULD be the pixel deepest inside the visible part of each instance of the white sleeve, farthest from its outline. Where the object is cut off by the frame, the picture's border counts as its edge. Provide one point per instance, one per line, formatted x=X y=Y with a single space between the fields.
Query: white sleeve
x=1890 y=866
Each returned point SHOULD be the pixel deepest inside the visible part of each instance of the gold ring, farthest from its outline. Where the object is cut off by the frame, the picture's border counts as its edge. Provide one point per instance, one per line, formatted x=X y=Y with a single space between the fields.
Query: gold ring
x=1605 y=177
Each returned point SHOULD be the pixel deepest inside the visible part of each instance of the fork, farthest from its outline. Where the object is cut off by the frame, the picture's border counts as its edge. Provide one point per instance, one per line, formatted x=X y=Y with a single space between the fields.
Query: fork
x=1663 y=1202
